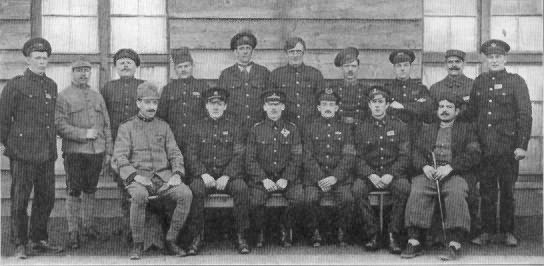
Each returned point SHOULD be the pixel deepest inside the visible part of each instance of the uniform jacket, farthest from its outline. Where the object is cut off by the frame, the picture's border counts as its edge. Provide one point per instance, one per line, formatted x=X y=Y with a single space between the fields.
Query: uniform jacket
x=459 y=85
x=146 y=148
x=274 y=151
x=120 y=97
x=244 y=100
x=328 y=151
x=383 y=147
x=300 y=85
x=79 y=109
x=414 y=96
x=465 y=148
x=27 y=118
x=216 y=147
x=501 y=108
x=181 y=105
x=353 y=101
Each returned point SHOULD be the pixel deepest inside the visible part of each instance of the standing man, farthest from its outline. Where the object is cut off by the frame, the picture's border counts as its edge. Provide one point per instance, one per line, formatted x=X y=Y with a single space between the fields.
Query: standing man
x=458 y=84
x=299 y=82
x=82 y=121
x=120 y=98
x=410 y=100
x=456 y=152
x=273 y=161
x=352 y=93
x=27 y=126
x=150 y=163
x=383 y=156
x=328 y=160
x=216 y=159
x=245 y=80
x=501 y=108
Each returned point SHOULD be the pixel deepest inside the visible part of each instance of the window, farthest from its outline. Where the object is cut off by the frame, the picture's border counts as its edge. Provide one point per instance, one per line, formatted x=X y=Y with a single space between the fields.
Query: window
x=519 y=23
x=157 y=74
x=61 y=74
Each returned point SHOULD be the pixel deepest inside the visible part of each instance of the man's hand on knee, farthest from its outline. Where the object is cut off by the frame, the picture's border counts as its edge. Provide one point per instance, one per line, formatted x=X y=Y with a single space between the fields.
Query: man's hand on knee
x=209 y=181
x=221 y=183
x=144 y=181
x=175 y=180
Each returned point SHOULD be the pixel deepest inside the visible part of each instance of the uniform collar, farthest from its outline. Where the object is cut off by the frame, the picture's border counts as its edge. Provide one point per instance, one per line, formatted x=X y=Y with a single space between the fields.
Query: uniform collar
x=498 y=74
x=220 y=119
x=350 y=83
x=327 y=120
x=459 y=77
x=32 y=75
x=126 y=78
x=400 y=81
x=280 y=123
x=378 y=122
x=242 y=67
x=81 y=86
x=296 y=68
x=186 y=80
x=145 y=119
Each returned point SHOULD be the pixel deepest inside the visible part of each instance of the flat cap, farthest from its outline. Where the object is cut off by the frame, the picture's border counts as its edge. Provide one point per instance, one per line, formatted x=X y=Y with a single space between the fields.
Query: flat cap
x=81 y=62
x=242 y=38
x=399 y=56
x=273 y=96
x=181 y=55
x=456 y=53
x=215 y=94
x=126 y=53
x=494 y=46
x=346 y=56
x=36 y=45
x=327 y=95
x=147 y=90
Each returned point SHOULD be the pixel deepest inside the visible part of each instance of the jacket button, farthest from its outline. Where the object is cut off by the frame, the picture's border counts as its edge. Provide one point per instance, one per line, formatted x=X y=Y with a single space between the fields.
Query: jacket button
x=381 y=137
x=20 y=134
x=297 y=82
x=490 y=100
x=489 y=113
x=490 y=89
x=488 y=125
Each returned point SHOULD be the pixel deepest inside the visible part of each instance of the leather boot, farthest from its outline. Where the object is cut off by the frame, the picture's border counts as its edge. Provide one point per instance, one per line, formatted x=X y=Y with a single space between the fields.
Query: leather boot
x=73 y=240
x=394 y=247
x=195 y=245
x=286 y=237
x=243 y=248
x=20 y=252
x=137 y=250
x=260 y=239
x=372 y=244
x=316 y=238
x=341 y=237
x=175 y=249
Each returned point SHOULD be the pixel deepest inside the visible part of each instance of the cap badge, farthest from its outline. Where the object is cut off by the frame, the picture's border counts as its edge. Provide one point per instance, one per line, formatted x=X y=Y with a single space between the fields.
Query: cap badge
x=328 y=91
x=215 y=93
x=285 y=132
x=493 y=44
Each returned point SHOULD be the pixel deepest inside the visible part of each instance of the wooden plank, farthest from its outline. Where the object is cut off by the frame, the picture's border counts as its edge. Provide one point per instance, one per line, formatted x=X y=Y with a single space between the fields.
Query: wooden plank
x=14 y=33
x=533 y=163
x=225 y=9
x=12 y=63
x=374 y=64
x=318 y=34
x=446 y=8
x=536 y=128
x=516 y=7
x=15 y=9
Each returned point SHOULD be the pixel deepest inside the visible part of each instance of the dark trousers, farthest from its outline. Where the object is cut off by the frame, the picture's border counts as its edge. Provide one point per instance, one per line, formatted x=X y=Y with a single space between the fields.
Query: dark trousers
x=344 y=204
x=400 y=190
x=294 y=193
x=501 y=171
x=82 y=172
x=26 y=175
x=239 y=191
x=473 y=201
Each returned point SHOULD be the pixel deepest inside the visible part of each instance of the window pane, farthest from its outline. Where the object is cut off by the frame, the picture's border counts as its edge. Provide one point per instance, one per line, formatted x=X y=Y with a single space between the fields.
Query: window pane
x=71 y=34
x=533 y=78
x=530 y=34
x=463 y=34
x=70 y=7
x=436 y=34
x=450 y=7
x=143 y=34
x=62 y=75
x=516 y=7
x=506 y=29
x=138 y=7
x=433 y=74
x=156 y=74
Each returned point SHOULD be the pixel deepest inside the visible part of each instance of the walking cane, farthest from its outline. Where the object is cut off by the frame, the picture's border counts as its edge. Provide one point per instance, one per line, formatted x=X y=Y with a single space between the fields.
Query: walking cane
x=439 y=200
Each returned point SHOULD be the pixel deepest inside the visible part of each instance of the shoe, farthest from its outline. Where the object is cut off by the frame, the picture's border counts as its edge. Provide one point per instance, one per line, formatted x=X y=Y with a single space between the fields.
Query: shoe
x=286 y=237
x=411 y=251
x=372 y=244
x=341 y=237
x=20 y=252
x=260 y=239
x=510 y=240
x=44 y=246
x=316 y=239
x=175 y=249
x=481 y=240
x=243 y=248
x=137 y=250
x=73 y=240
x=394 y=247
x=194 y=246
x=453 y=254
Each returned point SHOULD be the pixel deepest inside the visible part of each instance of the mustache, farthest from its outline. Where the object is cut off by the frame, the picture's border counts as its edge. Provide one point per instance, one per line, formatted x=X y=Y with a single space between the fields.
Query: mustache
x=150 y=110
x=444 y=113
x=455 y=68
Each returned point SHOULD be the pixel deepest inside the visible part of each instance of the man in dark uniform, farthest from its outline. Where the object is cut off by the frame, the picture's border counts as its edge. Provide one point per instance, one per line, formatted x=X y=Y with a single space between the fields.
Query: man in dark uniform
x=328 y=160
x=460 y=85
x=180 y=104
x=410 y=100
x=353 y=104
x=245 y=80
x=299 y=82
x=383 y=156
x=273 y=161
x=150 y=163
x=445 y=151
x=501 y=108
x=215 y=156
x=120 y=98
x=27 y=113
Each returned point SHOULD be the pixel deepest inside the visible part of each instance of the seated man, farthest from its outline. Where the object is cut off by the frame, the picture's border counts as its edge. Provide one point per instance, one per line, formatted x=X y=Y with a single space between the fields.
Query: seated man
x=445 y=151
x=215 y=160
x=150 y=163
x=273 y=160
x=383 y=156
x=328 y=159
